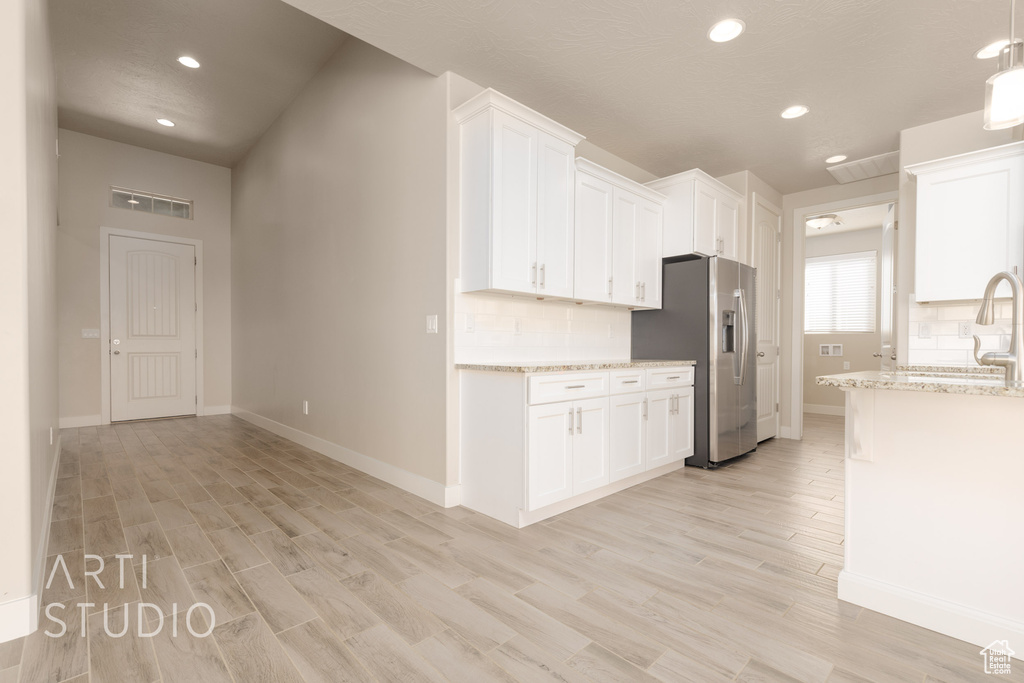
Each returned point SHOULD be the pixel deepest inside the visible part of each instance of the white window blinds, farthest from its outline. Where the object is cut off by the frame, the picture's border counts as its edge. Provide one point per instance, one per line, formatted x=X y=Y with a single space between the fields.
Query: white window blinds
x=840 y=293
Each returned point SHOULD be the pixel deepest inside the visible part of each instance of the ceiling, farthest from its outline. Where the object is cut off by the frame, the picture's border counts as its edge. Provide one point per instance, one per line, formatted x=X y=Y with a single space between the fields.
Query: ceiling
x=861 y=218
x=117 y=70
x=643 y=81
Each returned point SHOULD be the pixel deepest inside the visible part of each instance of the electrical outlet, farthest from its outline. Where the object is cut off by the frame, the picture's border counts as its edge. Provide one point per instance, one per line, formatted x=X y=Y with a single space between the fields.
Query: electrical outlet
x=305 y=407
x=925 y=331
x=846 y=365
x=432 y=324
x=964 y=330
x=470 y=322
x=90 y=333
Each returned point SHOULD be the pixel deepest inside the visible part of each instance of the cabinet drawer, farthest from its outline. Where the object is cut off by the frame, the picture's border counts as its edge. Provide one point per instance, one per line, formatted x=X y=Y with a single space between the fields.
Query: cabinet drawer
x=627 y=381
x=660 y=378
x=554 y=388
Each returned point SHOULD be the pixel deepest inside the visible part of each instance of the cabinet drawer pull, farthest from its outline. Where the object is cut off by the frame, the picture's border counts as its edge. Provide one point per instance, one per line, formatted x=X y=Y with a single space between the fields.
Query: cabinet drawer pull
x=672 y=378
x=577 y=386
x=579 y=420
x=630 y=381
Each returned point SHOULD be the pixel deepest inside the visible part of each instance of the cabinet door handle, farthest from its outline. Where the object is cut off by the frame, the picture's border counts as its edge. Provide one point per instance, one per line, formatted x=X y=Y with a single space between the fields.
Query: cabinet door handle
x=542 y=278
x=533 y=274
x=609 y=286
x=645 y=408
x=630 y=381
x=579 y=420
x=637 y=295
x=643 y=291
x=672 y=378
x=571 y=425
x=576 y=386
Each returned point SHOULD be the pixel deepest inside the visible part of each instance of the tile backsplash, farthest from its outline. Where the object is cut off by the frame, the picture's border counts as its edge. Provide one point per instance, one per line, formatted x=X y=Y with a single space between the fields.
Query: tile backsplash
x=500 y=328
x=935 y=333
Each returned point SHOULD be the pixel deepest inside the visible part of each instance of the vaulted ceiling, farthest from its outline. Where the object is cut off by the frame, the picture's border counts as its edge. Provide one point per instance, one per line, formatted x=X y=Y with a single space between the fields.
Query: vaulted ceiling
x=642 y=80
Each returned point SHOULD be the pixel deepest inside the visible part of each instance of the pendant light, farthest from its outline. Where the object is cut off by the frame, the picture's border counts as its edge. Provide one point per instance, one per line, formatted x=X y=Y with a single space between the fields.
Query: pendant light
x=1004 y=91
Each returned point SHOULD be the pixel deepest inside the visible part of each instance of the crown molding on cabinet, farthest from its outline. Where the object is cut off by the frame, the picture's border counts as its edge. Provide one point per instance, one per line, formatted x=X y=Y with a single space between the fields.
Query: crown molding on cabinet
x=588 y=166
x=492 y=98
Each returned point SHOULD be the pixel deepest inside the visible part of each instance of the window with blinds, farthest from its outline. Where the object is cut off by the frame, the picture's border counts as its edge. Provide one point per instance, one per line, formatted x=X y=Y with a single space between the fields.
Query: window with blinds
x=841 y=293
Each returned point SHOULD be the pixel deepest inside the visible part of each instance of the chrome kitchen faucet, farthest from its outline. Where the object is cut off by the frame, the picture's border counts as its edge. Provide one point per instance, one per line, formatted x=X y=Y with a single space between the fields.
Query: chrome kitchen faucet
x=1012 y=358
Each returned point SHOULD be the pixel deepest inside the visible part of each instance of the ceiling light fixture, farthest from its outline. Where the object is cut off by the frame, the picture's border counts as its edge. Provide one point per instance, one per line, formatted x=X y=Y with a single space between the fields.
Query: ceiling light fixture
x=133 y=201
x=836 y=159
x=189 y=62
x=796 y=111
x=166 y=122
x=822 y=221
x=1004 y=90
x=990 y=51
x=726 y=30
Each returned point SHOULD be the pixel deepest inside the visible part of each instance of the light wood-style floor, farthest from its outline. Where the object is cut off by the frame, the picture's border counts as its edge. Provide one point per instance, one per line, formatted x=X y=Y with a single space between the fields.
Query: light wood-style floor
x=317 y=572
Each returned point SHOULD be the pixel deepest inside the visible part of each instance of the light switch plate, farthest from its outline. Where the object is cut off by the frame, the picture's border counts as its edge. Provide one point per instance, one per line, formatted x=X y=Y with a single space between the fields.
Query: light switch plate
x=470 y=322
x=88 y=333
x=846 y=365
x=925 y=331
x=432 y=324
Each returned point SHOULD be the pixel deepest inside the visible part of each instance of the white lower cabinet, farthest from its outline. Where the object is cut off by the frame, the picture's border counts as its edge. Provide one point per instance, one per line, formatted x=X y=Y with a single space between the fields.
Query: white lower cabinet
x=536 y=444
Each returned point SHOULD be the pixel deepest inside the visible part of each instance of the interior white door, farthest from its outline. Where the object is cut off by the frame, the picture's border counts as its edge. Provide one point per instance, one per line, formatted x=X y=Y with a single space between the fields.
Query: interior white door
x=552 y=430
x=593 y=268
x=628 y=436
x=590 y=449
x=767 y=259
x=556 y=173
x=152 y=328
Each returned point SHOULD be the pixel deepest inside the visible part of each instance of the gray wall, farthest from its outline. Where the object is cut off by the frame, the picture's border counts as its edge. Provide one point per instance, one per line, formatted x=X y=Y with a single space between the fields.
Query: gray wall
x=88 y=167
x=338 y=255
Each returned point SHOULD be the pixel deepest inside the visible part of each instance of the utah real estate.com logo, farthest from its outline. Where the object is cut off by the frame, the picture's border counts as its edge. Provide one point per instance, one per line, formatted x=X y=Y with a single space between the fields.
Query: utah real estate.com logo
x=146 y=612
x=997 y=657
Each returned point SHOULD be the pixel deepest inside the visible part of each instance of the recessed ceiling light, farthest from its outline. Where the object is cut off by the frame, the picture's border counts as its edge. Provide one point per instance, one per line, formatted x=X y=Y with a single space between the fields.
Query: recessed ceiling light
x=189 y=62
x=991 y=51
x=836 y=159
x=726 y=30
x=165 y=122
x=795 y=111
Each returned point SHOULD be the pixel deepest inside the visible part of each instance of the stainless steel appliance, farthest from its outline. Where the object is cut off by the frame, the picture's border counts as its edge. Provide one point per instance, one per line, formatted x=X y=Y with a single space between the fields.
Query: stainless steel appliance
x=707 y=315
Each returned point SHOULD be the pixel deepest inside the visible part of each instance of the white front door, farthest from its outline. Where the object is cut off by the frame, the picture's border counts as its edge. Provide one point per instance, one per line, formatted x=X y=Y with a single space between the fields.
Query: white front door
x=767 y=260
x=152 y=329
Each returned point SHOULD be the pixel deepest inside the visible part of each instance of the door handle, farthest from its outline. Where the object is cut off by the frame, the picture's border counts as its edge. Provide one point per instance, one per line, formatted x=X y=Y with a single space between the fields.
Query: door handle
x=760 y=354
x=542 y=278
x=637 y=294
x=571 y=425
x=609 y=287
x=744 y=347
x=116 y=352
x=877 y=355
x=643 y=291
x=533 y=274
x=579 y=420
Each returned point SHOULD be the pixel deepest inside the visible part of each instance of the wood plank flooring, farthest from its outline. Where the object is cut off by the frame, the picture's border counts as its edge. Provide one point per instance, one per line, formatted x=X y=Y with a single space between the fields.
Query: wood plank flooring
x=317 y=572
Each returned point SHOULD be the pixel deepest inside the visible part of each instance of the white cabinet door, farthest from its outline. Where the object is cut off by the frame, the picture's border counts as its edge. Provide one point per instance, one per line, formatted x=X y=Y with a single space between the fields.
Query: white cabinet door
x=626 y=215
x=659 y=425
x=705 y=204
x=590 y=447
x=680 y=425
x=727 y=225
x=970 y=213
x=514 y=196
x=549 y=461
x=593 y=274
x=648 y=253
x=628 y=436
x=556 y=172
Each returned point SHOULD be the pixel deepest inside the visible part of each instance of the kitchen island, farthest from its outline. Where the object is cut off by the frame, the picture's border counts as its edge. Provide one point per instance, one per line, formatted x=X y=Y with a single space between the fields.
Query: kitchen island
x=935 y=500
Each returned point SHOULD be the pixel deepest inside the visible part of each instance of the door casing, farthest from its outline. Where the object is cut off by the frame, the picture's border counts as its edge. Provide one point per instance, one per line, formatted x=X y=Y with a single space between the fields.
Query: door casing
x=105 y=235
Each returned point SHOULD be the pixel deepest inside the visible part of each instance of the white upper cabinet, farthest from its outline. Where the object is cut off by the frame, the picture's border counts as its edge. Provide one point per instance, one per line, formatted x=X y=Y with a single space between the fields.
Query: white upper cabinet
x=969 y=222
x=517 y=187
x=618 y=239
x=701 y=215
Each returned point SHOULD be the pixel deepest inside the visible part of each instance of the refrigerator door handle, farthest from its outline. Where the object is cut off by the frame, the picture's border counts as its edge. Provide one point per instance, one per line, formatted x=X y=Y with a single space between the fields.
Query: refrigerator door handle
x=744 y=335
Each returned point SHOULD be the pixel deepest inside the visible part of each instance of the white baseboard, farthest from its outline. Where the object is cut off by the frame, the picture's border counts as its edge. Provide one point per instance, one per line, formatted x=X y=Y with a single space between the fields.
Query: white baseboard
x=20 y=617
x=80 y=421
x=217 y=410
x=824 y=410
x=428 y=489
x=942 y=616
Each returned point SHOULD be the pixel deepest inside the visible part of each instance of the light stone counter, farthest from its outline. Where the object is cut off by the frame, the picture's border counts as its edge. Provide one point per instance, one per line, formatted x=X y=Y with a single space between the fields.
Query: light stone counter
x=574 y=367
x=955 y=381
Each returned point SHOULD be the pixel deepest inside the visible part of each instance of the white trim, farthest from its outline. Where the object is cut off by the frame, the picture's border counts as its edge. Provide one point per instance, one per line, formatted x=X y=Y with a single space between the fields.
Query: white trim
x=492 y=98
x=20 y=617
x=785 y=433
x=80 y=421
x=796 y=426
x=942 y=616
x=428 y=489
x=105 y=235
x=217 y=410
x=824 y=410
x=757 y=199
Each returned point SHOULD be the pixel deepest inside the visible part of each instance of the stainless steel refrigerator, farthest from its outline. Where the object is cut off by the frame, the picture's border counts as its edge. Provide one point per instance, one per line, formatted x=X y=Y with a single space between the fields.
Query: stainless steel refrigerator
x=707 y=315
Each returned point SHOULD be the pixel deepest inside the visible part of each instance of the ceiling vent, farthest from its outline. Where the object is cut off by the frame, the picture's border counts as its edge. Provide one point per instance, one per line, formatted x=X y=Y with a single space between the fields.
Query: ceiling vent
x=862 y=169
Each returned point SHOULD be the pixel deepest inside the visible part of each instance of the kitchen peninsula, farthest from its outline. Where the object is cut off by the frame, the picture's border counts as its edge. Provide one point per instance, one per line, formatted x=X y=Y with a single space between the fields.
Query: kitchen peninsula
x=934 y=511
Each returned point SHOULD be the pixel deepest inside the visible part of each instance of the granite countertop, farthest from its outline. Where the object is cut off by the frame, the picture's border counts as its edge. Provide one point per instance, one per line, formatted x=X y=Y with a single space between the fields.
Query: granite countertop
x=573 y=367
x=955 y=381
x=957 y=369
